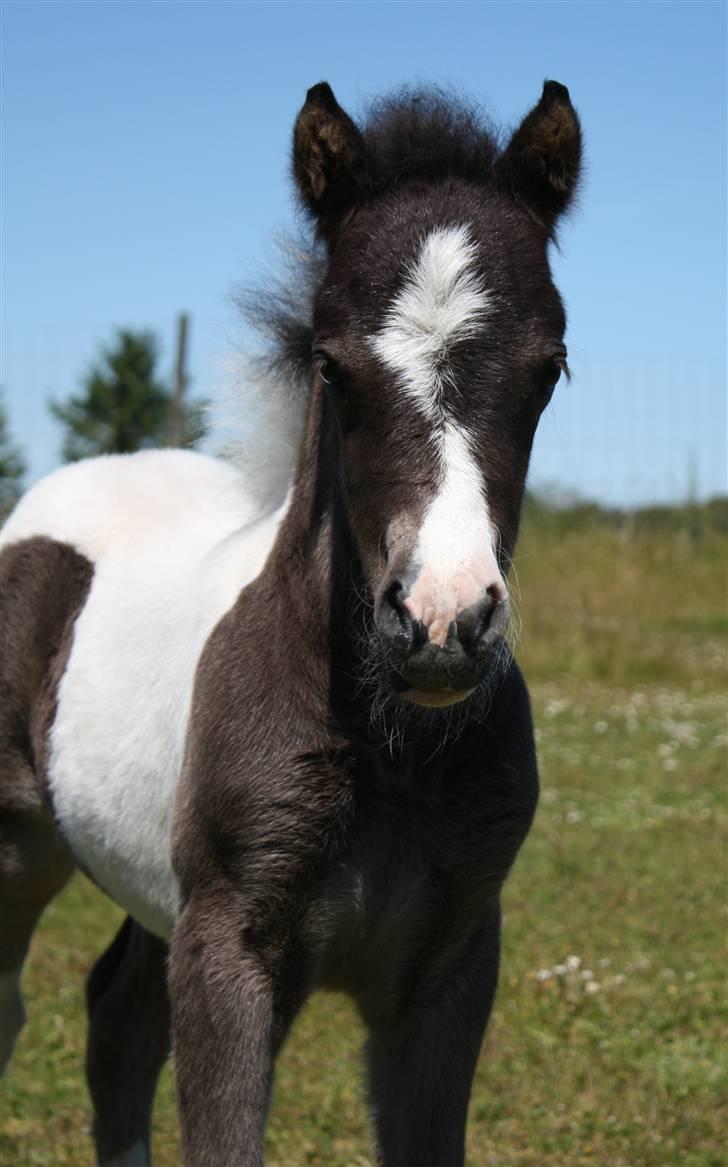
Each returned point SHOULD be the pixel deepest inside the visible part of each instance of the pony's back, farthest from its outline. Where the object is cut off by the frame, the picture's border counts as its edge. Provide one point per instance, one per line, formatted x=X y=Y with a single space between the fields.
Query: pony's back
x=105 y=504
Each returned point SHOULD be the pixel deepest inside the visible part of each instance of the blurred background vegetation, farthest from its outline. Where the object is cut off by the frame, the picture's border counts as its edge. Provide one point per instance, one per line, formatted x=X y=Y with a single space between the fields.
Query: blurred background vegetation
x=12 y=467
x=124 y=404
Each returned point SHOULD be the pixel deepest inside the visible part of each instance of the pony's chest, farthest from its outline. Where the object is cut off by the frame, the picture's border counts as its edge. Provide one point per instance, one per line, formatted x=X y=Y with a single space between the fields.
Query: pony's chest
x=381 y=903
x=363 y=920
x=412 y=875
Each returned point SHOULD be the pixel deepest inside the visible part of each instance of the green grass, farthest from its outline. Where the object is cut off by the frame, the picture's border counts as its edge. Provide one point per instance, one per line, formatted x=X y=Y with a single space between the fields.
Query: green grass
x=604 y=1047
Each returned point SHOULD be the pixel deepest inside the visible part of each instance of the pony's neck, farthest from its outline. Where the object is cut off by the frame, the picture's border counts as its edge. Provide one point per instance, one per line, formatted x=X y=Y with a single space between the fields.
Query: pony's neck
x=316 y=562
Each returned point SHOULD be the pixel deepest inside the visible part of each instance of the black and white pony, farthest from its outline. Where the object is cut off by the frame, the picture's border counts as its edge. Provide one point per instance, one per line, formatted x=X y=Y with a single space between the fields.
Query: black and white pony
x=293 y=744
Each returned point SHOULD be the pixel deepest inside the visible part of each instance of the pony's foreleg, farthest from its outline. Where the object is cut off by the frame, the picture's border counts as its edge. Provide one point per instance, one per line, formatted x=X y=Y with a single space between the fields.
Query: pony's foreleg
x=128 y=1043
x=230 y=1017
x=421 y=1063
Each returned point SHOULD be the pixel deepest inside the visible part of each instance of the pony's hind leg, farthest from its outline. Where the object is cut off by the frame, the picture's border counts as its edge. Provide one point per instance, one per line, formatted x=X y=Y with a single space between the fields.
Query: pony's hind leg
x=12 y=1014
x=128 y=1043
x=34 y=865
x=16 y=929
x=42 y=585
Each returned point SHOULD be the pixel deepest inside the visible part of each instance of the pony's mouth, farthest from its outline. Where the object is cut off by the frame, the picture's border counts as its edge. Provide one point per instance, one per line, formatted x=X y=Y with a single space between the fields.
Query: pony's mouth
x=435 y=698
x=432 y=698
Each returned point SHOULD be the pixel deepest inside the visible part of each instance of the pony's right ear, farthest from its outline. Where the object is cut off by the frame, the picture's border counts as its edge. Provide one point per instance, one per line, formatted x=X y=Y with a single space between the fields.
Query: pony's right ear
x=329 y=156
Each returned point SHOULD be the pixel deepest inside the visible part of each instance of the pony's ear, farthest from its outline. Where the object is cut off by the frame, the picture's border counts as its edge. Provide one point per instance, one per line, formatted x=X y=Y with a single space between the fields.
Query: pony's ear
x=540 y=165
x=329 y=156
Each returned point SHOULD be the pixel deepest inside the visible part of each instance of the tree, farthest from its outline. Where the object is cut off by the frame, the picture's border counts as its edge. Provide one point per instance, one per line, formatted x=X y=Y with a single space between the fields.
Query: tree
x=12 y=468
x=124 y=405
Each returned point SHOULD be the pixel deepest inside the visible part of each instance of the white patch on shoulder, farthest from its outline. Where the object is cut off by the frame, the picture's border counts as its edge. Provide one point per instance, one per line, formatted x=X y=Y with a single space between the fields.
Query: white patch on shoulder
x=442 y=302
x=455 y=544
x=173 y=537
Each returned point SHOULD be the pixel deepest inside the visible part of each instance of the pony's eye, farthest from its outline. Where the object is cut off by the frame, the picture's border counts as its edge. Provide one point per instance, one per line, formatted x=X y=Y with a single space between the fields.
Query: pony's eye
x=327 y=369
x=339 y=390
x=549 y=376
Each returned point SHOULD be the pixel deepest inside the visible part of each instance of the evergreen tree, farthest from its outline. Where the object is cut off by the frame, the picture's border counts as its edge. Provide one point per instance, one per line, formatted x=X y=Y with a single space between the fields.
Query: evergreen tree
x=123 y=405
x=12 y=468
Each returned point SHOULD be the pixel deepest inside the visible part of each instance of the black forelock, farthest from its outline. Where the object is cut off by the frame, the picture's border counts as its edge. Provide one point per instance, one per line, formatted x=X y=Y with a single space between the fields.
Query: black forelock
x=426 y=134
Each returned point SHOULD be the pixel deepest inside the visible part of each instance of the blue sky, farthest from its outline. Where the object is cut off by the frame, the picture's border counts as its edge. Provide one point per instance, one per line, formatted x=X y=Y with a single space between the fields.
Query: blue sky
x=145 y=171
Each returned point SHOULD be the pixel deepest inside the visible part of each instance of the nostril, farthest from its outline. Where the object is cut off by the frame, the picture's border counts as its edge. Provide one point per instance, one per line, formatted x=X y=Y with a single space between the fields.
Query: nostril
x=485 y=616
x=488 y=621
x=395 y=621
x=393 y=597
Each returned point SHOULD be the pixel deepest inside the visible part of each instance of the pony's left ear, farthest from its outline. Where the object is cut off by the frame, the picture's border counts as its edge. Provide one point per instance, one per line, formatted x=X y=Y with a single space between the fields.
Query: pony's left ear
x=540 y=165
x=329 y=156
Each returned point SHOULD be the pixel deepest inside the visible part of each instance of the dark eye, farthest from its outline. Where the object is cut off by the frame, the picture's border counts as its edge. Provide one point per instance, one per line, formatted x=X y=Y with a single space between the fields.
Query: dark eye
x=327 y=369
x=549 y=376
x=339 y=390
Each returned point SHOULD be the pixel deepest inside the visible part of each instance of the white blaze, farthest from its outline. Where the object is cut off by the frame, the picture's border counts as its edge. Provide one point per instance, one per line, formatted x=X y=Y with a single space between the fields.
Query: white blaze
x=441 y=303
x=455 y=548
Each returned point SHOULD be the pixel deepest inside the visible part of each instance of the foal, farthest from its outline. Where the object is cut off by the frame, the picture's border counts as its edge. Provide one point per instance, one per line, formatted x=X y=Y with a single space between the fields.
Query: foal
x=294 y=746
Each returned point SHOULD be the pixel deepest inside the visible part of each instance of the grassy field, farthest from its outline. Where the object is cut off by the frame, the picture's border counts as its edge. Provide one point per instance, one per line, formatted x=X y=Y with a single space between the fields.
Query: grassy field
x=604 y=1048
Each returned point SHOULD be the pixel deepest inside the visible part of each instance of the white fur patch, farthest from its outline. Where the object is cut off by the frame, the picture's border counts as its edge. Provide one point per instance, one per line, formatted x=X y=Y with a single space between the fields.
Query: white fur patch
x=442 y=302
x=112 y=504
x=173 y=539
x=455 y=546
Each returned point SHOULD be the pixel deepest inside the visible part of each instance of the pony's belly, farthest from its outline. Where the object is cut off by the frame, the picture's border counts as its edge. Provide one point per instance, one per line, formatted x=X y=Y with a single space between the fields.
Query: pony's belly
x=152 y=899
x=116 y=749
x=115 y=813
